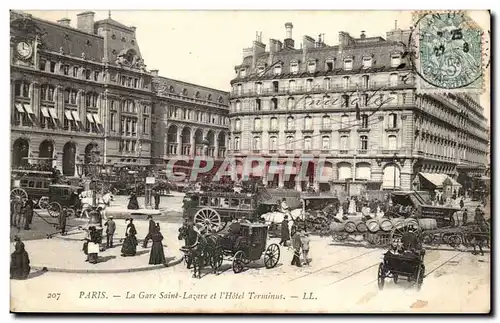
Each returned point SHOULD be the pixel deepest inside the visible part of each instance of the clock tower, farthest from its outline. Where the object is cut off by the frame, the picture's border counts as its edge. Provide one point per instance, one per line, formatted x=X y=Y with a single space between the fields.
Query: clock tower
x=25 y=39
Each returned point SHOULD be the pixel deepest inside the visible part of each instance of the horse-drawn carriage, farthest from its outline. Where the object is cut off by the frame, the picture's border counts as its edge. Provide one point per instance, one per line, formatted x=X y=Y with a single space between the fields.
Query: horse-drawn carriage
x=405 y=257
x=215 y=209
x=247 y=244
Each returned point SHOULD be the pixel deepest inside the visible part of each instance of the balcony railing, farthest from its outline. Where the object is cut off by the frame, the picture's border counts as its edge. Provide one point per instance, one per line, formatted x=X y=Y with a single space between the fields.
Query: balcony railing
x=172 y=149
x=371 y=85
x=186 y=149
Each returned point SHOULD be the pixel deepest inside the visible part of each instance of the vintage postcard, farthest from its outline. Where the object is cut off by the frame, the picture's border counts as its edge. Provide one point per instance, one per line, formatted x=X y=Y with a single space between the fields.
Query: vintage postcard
x=289 y=162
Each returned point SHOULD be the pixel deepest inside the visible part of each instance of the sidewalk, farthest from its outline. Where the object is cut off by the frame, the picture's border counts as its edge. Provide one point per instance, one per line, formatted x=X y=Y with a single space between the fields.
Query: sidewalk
x=64 y=253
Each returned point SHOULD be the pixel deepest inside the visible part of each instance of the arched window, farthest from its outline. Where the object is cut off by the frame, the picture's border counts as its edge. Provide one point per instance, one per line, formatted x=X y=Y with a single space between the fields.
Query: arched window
x=47 y=92
x=291 y=86
x=238 y=106
x=363 y=171
x=326 y=122
x=344 y=171
x=308 y=123
x=345 y=82
x=291 y=103
x=221 y=99
x=274 y=103
x=209 y=97
x=197 y=94
x=128 y=106
x=256 y=143
x=184 y=92
x=91 y=99
x=258 y=87
x=344 y=121
x=290 y=123
x=344 y=142
x=171 y=89
x=309 y=84
x=393 y=79
x=391 y=177
x=236 y=143
x=237 y=125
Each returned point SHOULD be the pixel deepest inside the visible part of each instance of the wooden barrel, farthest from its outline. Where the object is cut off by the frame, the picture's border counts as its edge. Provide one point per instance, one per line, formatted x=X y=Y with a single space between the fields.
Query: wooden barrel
x=386 y=225
x=427 y=224
x=361 y=227
x=350 y=227
x=337 y=227
x=373 y=225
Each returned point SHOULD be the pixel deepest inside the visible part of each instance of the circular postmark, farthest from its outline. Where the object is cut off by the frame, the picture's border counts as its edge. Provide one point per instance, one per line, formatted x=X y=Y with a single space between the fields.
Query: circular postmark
x=446 y=50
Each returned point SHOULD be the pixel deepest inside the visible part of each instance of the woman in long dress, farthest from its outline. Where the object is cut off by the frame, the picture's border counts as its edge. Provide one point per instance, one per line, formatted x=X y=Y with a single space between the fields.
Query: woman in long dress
x=93 y=245
x=129 y=247
x=157 y=255
x=133 y=204
x=19 y=262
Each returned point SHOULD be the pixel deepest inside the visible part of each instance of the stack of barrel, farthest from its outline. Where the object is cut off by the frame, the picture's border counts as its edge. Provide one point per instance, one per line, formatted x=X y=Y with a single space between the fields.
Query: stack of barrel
x=379 y=225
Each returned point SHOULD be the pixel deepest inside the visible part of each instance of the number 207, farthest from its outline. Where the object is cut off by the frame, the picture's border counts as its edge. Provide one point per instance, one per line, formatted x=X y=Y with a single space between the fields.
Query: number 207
x=54 y=296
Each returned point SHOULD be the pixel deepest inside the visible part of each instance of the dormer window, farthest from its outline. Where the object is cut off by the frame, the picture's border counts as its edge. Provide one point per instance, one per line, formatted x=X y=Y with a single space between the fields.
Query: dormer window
x=277 y=69
x=348 y=64
x=184 y=92
x=367 y=62
x=243 y=72
x=260 y=70
x=311 y=67
x=395 y=60
x=329 y=65
x=171 y=89
x=294 y=67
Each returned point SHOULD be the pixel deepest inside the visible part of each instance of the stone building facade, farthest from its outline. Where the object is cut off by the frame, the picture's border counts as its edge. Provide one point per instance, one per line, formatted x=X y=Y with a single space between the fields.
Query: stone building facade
x=82 y=95
x=353 y=109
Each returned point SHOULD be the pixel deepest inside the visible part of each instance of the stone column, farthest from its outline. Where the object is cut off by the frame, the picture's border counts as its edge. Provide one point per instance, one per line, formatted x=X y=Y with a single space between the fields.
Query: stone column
x=179 y=143
x=216 y=145
x=192 y=151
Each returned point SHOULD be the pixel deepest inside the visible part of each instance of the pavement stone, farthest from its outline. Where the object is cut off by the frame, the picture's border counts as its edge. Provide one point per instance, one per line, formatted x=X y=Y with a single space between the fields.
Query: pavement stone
x=64 y=253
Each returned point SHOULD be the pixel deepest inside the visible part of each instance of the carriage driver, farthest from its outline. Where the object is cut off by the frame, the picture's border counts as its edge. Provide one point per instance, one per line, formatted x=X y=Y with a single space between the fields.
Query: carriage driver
x=409 y=240
x=234 y=231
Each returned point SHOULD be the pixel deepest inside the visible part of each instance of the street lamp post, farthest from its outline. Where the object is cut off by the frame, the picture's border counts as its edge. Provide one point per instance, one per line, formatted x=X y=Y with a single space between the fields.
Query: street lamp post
x=394 y=162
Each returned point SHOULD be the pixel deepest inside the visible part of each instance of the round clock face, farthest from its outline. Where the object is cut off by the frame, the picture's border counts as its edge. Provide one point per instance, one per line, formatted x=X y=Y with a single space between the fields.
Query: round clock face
x=24 y=49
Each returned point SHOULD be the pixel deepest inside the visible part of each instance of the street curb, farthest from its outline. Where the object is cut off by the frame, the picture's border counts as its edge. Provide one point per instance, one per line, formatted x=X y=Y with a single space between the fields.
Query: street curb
x=108 y=271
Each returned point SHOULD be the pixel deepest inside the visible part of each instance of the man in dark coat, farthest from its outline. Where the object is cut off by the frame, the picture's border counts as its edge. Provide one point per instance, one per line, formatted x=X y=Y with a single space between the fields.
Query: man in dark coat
x=110 y=231
x=462 y=203
x=62 y=221
x=297 y=245
x=156 y=199
x=151 y=230
x=19 y=261
x=28 y=214
x=285 y=231
x=465 y=217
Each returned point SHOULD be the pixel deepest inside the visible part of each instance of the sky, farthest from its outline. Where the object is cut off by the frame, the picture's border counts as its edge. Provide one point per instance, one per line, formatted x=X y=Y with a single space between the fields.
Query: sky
x=202 y=47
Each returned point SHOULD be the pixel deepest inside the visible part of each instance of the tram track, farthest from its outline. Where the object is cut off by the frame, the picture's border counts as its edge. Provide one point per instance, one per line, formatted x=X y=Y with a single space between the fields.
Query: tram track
x=332 y=265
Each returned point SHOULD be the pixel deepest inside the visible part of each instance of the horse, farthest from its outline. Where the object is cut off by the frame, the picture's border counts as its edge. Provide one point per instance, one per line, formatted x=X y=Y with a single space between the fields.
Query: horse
x=479 y=236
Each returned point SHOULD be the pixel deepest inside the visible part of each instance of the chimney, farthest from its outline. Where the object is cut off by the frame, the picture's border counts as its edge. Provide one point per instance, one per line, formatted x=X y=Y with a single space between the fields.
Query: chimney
x=85 y=21
x=258 y=48
x=289 y=42
x=307 y=42
x=274 y=47
x=363 y=36
x=64 y=22
x=154 y=72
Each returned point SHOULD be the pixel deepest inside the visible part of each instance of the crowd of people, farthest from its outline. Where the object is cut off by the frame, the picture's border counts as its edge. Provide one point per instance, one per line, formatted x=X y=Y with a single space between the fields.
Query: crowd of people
x=21 y=213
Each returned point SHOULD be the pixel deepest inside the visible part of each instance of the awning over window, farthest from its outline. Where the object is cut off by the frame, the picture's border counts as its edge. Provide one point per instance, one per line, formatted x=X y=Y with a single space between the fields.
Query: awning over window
x=67 y=113
x=19 y=107
x=28 y=109
x=53 y=113
x=438 y=179
x=89 y=118
x=45 y=112
x=76 y=117
x=96 y=118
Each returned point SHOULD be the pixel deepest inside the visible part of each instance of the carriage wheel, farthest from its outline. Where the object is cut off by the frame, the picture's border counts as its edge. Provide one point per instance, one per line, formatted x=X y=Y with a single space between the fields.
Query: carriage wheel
x=420 y=276
x=43 y=202
x=373 y=238
x=272 y=256
x=399 y=230
x=238 y=262
x=54 y=209
x=428 y=239
x=455 y=240
x=216 y=259
x=18 y=193
x=70 y=212
x=209 y=218
x=381 y=276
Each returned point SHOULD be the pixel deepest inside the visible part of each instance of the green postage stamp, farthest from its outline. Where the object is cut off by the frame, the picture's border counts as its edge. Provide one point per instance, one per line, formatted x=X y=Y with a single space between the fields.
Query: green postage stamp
x=448 y=51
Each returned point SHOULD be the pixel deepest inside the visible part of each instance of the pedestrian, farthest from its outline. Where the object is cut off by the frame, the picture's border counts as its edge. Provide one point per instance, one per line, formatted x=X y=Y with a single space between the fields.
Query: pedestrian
x=305 y=246
x=157 y=198
x=285 y=232
x=93 y=246
x=62 y=220
x=297 y=244
x=129 y=247
x=16 y=206
x=19 y=261
x=157 y=255
x=110 y=231
x=462 y=203
x=151 y=230
x=133 y=204
x=28 y=214
x=464 y=217
x=284 y=206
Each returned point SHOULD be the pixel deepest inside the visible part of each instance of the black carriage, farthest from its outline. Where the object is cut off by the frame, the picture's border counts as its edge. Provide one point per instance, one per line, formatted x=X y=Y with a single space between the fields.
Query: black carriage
x=33 y=184
x=250 y=244
x=405 y=258
x=60 y=196
x=215 y=209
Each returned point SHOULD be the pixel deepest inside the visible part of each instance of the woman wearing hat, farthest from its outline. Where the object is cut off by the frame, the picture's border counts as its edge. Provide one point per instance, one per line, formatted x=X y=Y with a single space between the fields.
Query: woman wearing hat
x=129 y=247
